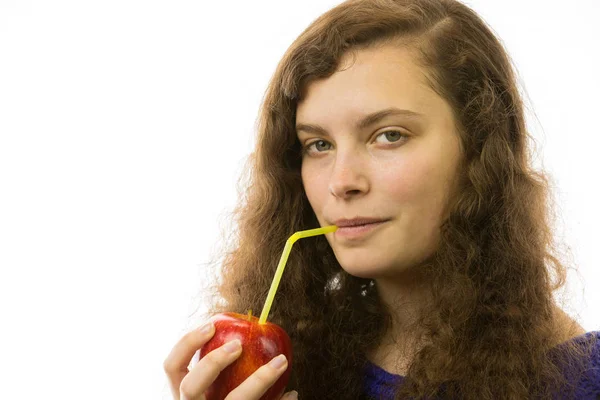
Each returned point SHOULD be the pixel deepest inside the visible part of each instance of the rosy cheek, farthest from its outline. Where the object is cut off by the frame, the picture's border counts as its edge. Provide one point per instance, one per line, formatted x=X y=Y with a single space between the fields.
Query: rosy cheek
x=315 y=187
x=412 y=182
x=402 y=178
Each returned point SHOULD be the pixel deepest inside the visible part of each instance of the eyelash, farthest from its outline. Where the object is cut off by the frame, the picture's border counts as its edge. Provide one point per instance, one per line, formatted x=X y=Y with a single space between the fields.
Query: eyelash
x=309 y=145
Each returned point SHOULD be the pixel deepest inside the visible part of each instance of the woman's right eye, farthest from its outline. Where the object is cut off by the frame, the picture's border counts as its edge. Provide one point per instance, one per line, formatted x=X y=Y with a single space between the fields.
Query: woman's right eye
x=318 y=144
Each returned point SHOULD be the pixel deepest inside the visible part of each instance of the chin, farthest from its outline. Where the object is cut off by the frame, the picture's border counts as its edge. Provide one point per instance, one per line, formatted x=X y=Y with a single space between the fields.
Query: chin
x=362 y=274
x=367 y=269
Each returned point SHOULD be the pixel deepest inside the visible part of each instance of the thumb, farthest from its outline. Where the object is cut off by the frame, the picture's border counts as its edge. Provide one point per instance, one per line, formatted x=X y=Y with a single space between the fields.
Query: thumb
x=293 y=395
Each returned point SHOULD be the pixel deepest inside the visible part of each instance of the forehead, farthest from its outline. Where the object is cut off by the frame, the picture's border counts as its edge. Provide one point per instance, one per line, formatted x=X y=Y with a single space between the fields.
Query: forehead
x=368 y=80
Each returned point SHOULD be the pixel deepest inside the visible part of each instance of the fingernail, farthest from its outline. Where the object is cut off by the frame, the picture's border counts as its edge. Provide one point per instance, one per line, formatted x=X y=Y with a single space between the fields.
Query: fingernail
x=207 y=328
x=278 y=361
x=293 y=395
x=232 y=346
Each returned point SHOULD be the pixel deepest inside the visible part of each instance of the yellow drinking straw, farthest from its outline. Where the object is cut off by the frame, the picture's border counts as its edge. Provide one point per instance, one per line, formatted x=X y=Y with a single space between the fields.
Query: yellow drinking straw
x=283 y=260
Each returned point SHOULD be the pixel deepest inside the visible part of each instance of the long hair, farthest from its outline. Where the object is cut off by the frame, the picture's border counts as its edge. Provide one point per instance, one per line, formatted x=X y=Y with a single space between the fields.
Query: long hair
x=493 y=320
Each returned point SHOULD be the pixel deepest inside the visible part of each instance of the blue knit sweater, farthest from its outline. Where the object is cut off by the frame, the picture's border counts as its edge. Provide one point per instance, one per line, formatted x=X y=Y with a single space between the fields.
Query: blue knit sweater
x=379 y=383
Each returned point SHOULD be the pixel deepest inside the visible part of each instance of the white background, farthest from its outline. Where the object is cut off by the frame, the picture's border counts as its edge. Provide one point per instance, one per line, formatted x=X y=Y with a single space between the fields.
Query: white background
x=123 y=128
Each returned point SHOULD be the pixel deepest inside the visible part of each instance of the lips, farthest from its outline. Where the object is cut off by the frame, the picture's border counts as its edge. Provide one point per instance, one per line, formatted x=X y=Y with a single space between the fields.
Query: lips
x=357 y=229
x=357 y=221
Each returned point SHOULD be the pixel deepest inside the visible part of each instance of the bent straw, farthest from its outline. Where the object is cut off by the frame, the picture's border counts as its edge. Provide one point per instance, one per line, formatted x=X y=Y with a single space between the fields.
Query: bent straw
x=283 y=260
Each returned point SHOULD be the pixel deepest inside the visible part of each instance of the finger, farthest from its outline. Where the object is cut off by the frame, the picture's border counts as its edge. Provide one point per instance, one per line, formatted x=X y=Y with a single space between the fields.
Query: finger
x=176 y=363
x=204 y=373
x=260 y=381
x=293 y=395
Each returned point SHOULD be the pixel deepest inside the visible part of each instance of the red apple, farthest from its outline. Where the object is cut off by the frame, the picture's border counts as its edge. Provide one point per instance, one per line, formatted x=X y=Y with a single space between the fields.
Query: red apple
x=260 y=343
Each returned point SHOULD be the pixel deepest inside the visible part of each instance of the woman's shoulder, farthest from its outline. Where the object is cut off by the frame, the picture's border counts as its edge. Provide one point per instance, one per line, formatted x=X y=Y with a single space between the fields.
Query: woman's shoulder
x=380 y=384
x=587 y=381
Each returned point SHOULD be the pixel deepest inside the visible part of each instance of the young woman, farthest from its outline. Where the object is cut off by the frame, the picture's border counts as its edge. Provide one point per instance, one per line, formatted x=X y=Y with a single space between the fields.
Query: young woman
x=400 y=122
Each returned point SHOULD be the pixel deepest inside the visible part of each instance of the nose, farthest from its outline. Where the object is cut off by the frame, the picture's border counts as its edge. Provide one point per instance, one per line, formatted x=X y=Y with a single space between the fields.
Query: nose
x=348 y=177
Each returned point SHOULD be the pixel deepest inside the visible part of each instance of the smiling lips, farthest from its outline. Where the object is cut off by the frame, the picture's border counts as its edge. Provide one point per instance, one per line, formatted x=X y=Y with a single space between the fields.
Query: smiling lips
x=357 y=227
x=344 y=222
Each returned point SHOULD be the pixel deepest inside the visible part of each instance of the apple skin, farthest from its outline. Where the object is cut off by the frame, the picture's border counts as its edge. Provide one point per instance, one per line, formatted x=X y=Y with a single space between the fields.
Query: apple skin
x=260 y=343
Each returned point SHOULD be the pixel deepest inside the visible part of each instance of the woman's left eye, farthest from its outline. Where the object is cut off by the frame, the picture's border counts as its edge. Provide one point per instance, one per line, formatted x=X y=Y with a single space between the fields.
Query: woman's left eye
x=392 y=136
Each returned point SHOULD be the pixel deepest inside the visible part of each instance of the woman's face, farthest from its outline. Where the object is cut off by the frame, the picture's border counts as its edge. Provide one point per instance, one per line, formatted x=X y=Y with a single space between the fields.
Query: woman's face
x=399 y=168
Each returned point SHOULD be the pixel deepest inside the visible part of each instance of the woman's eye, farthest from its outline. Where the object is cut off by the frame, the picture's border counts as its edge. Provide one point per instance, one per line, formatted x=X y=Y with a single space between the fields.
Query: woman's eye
x=392 y=136
x=318 y=145
x=322 y=145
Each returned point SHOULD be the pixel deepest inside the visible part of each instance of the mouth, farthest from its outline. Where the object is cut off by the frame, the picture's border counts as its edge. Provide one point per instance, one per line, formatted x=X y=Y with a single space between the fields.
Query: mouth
x=358 y=231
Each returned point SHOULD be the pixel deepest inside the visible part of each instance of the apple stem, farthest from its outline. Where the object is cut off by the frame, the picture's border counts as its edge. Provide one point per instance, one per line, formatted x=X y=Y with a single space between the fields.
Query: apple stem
x=283 y=260
x=250 y=315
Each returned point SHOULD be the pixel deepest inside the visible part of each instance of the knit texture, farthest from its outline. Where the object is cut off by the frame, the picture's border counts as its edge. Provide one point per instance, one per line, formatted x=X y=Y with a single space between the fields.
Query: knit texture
x=379 y=384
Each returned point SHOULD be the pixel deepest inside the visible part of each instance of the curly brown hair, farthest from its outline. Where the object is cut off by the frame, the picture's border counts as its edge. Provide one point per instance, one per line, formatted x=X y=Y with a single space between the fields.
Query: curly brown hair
x=493 y=319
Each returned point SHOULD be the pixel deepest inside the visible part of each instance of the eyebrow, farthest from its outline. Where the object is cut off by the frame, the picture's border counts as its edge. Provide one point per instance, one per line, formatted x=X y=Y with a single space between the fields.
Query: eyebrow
x=365 y=122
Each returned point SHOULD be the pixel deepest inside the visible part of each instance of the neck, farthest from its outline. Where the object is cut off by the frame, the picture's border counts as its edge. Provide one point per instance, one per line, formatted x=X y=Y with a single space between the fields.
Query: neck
x=405 y=297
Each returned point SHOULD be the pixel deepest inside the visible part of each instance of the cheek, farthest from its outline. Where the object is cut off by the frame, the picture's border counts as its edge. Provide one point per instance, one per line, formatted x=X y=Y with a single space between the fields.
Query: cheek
x=315 y=187
x=418 y=194
x=417 y=185
x=404 y=178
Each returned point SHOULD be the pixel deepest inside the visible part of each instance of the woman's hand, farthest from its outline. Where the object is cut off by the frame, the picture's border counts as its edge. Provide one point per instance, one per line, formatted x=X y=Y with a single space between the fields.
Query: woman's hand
x=191 y=384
